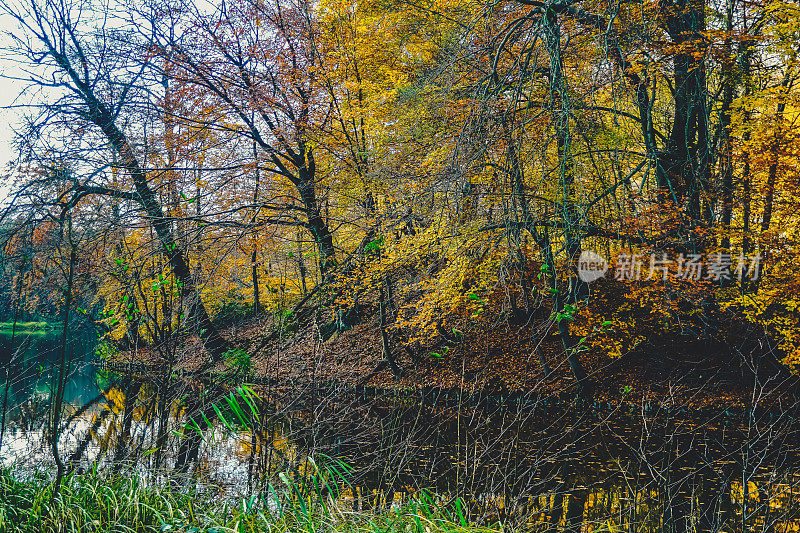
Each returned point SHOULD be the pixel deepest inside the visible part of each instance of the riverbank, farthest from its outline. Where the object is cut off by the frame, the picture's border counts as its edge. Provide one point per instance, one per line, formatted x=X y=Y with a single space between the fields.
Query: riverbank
x=632 y=353
x=28 y=327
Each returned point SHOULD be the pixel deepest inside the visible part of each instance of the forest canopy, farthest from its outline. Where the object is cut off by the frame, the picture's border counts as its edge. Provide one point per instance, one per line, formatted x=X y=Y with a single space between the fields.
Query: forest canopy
x=437 y=165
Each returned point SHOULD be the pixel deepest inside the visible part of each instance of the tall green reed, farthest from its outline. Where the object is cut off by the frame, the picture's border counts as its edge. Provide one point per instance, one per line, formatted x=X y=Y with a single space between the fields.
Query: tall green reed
x=110 y=502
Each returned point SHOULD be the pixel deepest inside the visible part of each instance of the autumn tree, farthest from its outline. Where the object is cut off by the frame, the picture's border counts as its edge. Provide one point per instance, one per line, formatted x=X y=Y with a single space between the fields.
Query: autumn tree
x=94 y=79
x=258 y=62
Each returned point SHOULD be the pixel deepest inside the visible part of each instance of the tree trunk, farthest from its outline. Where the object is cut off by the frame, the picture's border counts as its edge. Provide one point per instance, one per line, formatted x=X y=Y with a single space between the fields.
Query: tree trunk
x=57 y=401
x=772 y=174
x=146 y=197
x=685 y=166
x=315 y=222
x=387 y=351
x=254 y=256
x=726 y=161
x=560 y=114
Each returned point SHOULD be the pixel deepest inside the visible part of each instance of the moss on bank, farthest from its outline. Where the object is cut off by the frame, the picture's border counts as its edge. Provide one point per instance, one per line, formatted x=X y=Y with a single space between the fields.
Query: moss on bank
x=28 y=327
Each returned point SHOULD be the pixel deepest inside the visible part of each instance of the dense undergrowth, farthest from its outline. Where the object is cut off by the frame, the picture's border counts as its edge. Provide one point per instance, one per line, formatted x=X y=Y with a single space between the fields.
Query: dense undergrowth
x=112 y=502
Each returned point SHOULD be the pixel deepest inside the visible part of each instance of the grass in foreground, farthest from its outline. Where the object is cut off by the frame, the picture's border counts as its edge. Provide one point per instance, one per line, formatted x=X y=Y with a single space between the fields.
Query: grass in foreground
x=101 y=502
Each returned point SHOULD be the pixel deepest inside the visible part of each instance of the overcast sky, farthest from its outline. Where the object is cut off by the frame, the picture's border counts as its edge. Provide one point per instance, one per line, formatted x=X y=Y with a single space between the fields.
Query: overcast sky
x=9 y=90
x=8 y=119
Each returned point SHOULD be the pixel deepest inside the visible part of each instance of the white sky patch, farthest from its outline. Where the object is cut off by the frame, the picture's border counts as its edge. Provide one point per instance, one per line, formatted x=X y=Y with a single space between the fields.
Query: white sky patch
x=9 y=91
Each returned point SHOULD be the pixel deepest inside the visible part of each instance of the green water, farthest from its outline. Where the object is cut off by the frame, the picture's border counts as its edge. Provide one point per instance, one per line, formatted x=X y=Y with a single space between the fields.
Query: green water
x=29 y=364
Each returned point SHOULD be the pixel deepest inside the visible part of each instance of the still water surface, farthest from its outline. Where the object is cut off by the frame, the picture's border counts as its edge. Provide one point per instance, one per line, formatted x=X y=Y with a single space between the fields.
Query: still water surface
x=31 y=362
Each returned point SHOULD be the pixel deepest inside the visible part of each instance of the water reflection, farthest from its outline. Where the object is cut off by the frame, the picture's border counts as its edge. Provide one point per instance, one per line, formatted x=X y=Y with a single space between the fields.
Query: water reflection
x=553 y=463
x=31 y=362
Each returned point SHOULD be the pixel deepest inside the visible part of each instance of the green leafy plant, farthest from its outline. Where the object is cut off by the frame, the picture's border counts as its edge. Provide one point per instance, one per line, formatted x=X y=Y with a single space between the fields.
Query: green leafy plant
x=375 y=245
x=106 y=350
x=568 y=313
x=239 y=360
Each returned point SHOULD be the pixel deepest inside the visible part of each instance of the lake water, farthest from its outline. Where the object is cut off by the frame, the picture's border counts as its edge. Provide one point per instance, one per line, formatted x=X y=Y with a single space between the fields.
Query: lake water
x=508 y=456
x=32 y=365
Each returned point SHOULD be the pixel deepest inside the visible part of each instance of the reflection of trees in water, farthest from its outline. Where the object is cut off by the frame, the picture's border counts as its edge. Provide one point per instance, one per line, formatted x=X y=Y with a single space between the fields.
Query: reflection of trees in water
x=30 y=363
x=563 y=463
x=638 y=466
x=671 y=463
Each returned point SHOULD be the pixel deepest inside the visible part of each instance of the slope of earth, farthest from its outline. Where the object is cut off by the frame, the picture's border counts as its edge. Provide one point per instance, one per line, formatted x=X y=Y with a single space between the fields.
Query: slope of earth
x=648 y=351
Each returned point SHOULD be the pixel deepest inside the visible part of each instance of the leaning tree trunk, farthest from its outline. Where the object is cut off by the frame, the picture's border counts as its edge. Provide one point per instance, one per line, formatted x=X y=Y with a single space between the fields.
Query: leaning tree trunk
x=146 y=197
